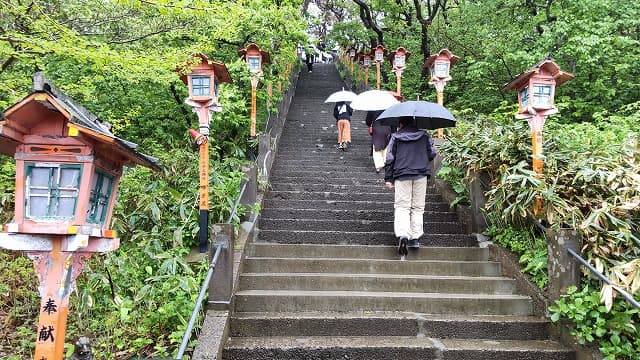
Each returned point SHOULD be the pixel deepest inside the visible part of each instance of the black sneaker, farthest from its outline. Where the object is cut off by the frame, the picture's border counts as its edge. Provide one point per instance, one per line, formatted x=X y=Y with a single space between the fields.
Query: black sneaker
x=402 y=246
x=414 y=244
x=344 y=146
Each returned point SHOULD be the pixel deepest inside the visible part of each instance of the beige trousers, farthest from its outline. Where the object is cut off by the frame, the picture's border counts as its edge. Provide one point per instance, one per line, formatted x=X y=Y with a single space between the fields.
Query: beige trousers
x=409 y=207
x=379 y=157
x=344 y=131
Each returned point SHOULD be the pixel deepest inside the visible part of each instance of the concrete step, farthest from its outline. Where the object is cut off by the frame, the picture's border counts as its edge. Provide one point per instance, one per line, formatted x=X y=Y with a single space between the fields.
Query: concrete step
x=352 y=266
x=374 y=187
x=377 y=283
x=277 y=178
x=328 y=204
x=362 y=238
x=396 y=323
x=390 y=348
x=430 y=227
x=262 y=249
x=386 y=196
x=375 y=215
x=432 y=303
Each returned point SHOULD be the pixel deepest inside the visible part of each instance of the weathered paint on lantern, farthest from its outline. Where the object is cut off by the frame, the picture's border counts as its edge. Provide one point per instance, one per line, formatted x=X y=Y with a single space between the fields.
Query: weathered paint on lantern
x=68 y=166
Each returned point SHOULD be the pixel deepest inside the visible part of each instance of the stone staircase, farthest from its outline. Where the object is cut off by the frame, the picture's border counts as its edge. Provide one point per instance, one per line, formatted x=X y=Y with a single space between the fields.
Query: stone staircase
x=324 y=281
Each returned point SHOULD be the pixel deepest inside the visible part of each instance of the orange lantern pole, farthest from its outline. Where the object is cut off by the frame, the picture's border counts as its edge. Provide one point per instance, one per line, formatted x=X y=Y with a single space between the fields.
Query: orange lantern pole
x=202 y=80
x=439 y=66
x=65 y=190
x=536 y=92
x=254 y=58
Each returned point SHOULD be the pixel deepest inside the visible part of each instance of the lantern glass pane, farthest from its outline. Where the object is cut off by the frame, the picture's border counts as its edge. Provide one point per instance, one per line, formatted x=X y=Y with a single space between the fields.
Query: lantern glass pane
x=201 y=85
x=367 y=61
x=254 y=63
x=99 y=197
x=524 y=97
x=51 y=191
x=541 y=95
x=442 y=69
x=398 y=60
x=379 y=55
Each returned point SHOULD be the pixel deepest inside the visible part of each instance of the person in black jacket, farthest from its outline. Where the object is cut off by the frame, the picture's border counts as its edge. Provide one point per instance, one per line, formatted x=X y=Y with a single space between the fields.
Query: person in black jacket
x=407 y=169
x=342 y=113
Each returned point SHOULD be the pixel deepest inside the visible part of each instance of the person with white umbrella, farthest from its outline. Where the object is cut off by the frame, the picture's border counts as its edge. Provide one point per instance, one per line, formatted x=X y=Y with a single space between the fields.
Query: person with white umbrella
x=374 y=102
x=342 y=112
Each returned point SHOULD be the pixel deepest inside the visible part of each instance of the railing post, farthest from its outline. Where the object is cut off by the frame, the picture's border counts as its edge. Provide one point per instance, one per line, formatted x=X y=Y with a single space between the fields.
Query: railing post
x=221 y=284
x=264 y=146
x=563 y=269
x=250 y=195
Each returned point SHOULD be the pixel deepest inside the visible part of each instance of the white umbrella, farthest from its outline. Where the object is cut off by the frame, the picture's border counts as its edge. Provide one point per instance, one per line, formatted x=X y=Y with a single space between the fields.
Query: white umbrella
x=374 y=100
x=340 y=96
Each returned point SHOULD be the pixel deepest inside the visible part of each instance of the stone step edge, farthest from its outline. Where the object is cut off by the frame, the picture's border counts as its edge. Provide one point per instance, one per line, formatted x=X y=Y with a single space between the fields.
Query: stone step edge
x=378 y=294
x=390 y=342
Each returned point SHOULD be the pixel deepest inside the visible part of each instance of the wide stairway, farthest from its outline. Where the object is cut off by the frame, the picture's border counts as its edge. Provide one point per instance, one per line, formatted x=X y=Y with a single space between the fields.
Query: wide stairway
x=324 y=281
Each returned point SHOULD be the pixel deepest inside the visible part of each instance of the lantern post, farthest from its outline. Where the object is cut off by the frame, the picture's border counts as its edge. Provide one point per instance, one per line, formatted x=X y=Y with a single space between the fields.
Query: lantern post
x=366 y=63
x=68 y=168
x=255 y=58
x=439 y=66
x=352 y=57
x=203 y=79
x=536 y=93
x=398 y=60
x=379 y=58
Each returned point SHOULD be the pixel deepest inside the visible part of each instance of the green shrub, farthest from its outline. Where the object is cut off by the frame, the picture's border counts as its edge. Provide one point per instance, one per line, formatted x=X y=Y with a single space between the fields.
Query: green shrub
x=615 y=331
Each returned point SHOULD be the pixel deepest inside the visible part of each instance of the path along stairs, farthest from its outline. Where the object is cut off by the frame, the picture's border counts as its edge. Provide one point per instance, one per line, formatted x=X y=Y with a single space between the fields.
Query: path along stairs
x=323 y=280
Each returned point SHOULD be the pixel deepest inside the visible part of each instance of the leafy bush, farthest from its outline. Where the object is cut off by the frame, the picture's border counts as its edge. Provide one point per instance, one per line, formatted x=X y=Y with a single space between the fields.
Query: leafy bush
x=531 y=249
x=615 y=329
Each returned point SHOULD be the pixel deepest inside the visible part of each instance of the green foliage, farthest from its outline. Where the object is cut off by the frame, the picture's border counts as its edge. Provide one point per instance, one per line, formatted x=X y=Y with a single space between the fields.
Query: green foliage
x=614 y=330
x=531 y=249
x=19 y=305
x=455 y=177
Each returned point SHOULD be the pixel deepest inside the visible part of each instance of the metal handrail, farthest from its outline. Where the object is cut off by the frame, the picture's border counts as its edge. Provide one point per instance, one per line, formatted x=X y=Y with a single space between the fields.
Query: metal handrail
x=205 y=283
x=196 y=310
x=595 y=272
x=207 y=280
x=235 y=205
x=601 y=276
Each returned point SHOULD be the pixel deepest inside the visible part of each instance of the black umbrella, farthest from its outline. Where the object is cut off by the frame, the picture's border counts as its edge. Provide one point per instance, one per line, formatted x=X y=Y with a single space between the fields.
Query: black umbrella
x=423 y=114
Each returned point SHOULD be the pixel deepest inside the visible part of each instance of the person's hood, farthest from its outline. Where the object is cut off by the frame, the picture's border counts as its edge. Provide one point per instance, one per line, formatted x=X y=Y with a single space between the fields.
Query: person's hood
x=410 y=135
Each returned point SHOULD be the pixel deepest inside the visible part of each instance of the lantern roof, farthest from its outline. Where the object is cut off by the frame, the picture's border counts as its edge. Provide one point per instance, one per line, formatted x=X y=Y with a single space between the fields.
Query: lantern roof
x=18 y=119
x=546 y=66
x=392 y=54
x=266 y=58
x=219 y=69
x=442 y=53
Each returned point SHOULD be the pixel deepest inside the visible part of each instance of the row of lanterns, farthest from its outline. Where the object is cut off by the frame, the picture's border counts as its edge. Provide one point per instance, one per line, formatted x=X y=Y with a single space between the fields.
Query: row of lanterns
x=535 y=87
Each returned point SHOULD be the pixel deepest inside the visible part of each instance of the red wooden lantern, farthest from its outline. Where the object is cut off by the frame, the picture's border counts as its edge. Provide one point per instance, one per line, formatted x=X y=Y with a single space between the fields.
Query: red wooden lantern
x=379 y=53
x=399 y=58
x=440 y=64
x=255 y=57
x=68 y=166
x=203 y=77
x=536 y=88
